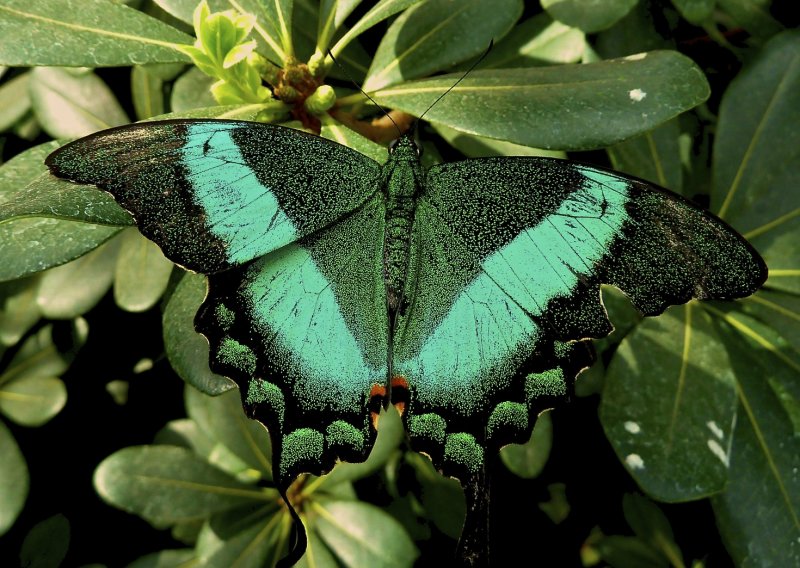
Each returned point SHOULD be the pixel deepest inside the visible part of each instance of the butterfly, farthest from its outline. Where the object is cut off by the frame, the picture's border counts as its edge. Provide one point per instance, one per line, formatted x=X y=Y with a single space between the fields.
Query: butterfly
x=465 y=294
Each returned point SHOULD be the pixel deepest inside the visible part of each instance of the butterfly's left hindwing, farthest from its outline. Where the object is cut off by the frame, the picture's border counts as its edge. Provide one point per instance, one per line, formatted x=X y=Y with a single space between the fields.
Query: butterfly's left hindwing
x=304 y=332
x=215 y=194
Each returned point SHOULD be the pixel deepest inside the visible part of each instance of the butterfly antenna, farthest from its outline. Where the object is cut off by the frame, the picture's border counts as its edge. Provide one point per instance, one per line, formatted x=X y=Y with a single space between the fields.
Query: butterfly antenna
x=454 y=85
x=363 y=92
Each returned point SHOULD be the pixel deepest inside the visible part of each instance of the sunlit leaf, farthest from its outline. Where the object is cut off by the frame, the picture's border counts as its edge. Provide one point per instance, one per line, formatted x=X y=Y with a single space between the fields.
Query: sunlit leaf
x=13 y=479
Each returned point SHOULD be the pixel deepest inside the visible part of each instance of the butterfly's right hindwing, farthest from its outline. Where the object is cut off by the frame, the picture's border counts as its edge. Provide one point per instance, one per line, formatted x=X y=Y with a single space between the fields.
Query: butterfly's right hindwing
x=215 y=194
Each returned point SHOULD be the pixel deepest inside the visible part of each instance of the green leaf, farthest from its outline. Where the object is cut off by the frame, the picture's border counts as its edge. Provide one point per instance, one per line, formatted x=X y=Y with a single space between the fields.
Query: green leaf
x=777 y=362
x=13 y=479
x=382 y=10
x=166 y=485
x=338 y=132
x=474 y=146
x=74 y=288
x=752 y=171
x=420 y=41
x=45 y=221
x=18 y=309
x=390 y=434
x=69 y=105
x=629 y=552
x=222 y=419
x=46 y=544
x=759 y=513
x=654 y=156
x=363 y=535
x=192 y=90
x=186 y=349
x=537 y=41
x=178 y=558
x=269 y=111
x=148 y=93
x=652 y=526
x=332 y=14
x=141 y=273
x=557 y=507
x=279 y=13
x=442 y=497
x=246 y=538
x=588 y=15
x=14 y=100
x=528 y=460
x=752 y=15
x=91 y=33
x=30 y=391
x=669 y=405
x=779 y=310
x=695 y=11
x=318 y=555
x=569 y=107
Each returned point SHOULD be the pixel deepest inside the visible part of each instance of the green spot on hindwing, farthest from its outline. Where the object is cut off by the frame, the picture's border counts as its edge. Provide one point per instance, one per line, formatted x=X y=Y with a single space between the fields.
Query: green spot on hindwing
x=237 y=355
x=507 y=415
x=263 y=392
x=343 y=434
x=302 y=448
x=547 y=383
x=429 y=426
x=225 y=316
x=462 y=450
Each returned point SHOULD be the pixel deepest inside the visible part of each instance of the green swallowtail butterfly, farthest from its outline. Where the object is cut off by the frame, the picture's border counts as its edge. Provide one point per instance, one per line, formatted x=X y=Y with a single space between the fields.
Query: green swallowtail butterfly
x=465 y=295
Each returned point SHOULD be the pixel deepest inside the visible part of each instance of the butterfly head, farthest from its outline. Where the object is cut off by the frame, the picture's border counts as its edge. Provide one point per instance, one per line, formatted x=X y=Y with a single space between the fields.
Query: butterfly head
x=404 y=148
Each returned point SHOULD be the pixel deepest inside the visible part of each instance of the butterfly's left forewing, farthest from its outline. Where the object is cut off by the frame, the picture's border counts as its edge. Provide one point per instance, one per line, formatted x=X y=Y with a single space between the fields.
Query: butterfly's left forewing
x=215 y=194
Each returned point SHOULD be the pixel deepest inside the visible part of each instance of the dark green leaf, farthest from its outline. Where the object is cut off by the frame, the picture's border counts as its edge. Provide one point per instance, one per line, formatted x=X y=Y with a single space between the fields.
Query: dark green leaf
x=776 y=309
x=629 y=552
x=474 y=146
x=279 y=14
x=91 y=33
x=752 y=15
x=382 y=10
x=18 y=309
x=186 y=433
x=30 y=391
x=363 y=535
x=751 y=171
x=442 y=497
x=23 y=168
x=654 y=156
x=13 y=479
x=758 y=513
x=332 y=14
x=537 y=41
x=188 y=350
x=695 y=11
x=192 y=90
x=141 y=273
x=166 y=485
x=46 y=545
x=669 y=405
x=72 y=289
x=557 y=508
x=588 y=15
x=390 y=433
x=148 y=93
x=14 y=100
x=338 y=132
x=318 y=555
x=652 y=526
x=246 y=538
x=422 y=39
x=70 y=105
x=222 y=419
x=179 y=558
x=527 y=460
x=269 y=111
x=568 y=107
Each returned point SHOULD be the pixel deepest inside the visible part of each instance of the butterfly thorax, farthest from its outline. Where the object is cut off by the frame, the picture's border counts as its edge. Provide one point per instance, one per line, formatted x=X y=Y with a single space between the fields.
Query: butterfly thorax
x=402 y=176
